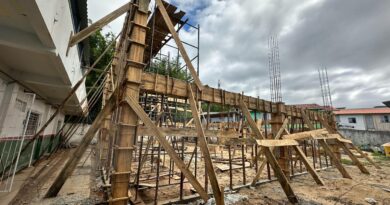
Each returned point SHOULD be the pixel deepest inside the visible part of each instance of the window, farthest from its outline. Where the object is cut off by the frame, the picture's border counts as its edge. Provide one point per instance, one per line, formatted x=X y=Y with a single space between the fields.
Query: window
x=20 y=105
x=385 y=119
x=32 y=123
x=352 y=120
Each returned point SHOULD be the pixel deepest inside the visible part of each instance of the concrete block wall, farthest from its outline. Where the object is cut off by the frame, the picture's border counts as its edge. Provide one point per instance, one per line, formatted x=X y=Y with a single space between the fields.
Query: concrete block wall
x=366 y=138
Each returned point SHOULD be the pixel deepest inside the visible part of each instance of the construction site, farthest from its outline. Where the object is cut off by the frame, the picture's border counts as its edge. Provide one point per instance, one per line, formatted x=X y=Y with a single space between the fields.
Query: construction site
x=156 y=138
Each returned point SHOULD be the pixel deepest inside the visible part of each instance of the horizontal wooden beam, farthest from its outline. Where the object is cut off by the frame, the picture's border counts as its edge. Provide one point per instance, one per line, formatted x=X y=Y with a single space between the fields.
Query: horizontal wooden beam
x=277 y=143
x=160 y=84
x=305 y=135
x=187 y=132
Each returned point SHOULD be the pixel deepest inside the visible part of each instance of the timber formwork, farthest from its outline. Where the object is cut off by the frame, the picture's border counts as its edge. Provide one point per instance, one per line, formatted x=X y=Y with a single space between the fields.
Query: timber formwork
x=154 y=135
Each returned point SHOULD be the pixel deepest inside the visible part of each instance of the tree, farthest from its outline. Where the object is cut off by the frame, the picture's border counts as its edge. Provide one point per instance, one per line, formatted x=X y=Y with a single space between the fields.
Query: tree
x=98 y=44
x=171 y=67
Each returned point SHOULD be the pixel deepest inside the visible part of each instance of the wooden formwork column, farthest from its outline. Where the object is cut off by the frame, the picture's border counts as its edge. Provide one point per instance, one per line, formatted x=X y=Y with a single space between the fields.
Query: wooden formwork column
x=128 y=119
x=277 y=120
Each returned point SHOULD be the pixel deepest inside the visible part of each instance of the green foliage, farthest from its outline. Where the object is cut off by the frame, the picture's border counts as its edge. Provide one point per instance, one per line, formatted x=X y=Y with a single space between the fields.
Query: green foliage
x=171 y=67
x=215 y=108
x=98 y=43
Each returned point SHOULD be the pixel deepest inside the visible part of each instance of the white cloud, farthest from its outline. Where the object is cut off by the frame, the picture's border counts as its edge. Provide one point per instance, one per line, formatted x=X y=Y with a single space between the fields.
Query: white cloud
x=350 y=37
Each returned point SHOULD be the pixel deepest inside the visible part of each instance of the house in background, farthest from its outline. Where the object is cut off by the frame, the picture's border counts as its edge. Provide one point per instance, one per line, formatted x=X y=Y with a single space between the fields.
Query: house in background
x=371 y=119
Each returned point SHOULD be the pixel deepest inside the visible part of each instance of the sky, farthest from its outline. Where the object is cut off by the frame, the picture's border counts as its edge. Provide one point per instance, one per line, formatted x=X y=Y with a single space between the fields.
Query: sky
x=351 y=38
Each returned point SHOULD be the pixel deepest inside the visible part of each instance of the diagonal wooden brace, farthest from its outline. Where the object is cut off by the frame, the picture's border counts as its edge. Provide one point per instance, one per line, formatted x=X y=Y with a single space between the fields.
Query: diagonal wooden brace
x=205 y=150
x=171 y=152
x=179 y=43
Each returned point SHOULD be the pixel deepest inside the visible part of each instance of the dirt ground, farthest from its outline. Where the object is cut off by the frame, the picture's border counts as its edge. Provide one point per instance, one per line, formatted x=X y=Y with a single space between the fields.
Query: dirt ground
x=82 y=186
x=337 y=190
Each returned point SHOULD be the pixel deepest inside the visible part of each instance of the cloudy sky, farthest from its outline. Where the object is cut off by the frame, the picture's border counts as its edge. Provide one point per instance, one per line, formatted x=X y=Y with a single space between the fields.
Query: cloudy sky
x=350 y=37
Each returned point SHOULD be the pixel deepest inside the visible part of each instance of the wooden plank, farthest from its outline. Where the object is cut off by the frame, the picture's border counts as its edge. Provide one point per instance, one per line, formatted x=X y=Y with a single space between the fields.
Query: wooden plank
x=282 y=129
x=205 y=150
x=365 y=156
x=353 y=158
x=280 y=175
x=264 y=162
x=78 y=153
x=187 y=132
x=305 y=135
x=179 y=44
x=327 y=149
x=309 y=168
x=277 y=143
x=168 y=148
x=251 y=122
x=85 y=33
x=334 y=159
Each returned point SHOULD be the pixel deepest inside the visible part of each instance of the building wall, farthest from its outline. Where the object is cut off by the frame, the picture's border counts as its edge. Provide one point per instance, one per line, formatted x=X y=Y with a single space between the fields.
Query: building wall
x=366 y=138
x=379 y=125
x=345 y=124
x=58 y=19
x=15 y=111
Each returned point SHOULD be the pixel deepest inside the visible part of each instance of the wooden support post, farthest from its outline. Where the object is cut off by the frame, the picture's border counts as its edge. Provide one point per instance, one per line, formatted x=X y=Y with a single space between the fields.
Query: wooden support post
x=167 y=147
x=353 y=157
x=334 y=159
x=179 y=44
x=205 y=150
x=277 y=120
x=269 y=156
x=78 y=153
x=365 y=156
x=128 y=119
x=280 y=175
x=85 y=33
x=309 y=168
x=327 y=149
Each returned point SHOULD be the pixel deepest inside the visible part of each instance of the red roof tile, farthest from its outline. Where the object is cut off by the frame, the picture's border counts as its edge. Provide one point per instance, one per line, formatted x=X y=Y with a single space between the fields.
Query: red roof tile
x=362 y=111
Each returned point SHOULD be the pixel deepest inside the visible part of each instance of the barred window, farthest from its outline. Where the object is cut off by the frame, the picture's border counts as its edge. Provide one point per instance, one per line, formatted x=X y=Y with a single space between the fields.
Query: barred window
x=20 y=105
x=33 y=123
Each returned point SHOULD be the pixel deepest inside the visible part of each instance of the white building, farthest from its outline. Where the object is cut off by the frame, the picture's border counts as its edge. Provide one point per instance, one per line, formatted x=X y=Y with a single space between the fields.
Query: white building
x=371 y=119
x=35 y=62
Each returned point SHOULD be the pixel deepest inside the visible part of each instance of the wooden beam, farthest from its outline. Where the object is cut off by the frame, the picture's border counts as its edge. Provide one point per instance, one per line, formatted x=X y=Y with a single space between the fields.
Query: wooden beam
x=78 y=153
x=327 y=149
x=277 y=143
x=187 y=132
x=158 y=84
x=128 y=120
x=309 y=168
x=353 y=158
x=334 y=159
x=85 y=33
x=251 y=122
x=269 y=156
x=168 y=148
x=305 y=135
x=365 y=156
x=205 y=150
x=260 y=152
x=179 y=43
x=280 y=175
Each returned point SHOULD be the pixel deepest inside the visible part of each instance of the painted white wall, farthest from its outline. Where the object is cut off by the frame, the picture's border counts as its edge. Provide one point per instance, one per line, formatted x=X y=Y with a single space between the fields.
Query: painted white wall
x=359 y=125
x=13 y=123
x=58 y=19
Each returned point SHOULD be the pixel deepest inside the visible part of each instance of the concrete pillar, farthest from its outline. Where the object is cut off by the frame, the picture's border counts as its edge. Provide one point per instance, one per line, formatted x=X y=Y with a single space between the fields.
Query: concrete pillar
x=8 y=102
